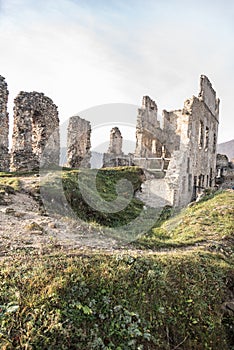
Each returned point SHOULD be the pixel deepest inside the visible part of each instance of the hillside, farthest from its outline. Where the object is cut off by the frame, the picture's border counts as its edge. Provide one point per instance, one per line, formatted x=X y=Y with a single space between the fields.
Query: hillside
x=67 y=285
x=227 y=148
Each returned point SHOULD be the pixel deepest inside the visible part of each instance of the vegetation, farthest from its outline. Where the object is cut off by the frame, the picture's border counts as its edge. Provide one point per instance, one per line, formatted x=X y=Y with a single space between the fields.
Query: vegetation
x=97 y=301
x=8 y=185
x=171 y=297
x=101 y=187
x=208 y=221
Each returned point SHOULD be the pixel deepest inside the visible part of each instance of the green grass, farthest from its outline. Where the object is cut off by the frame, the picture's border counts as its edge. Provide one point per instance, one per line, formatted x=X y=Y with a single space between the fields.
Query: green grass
x=209 y=220
x=98 y=301
x=125 y=301
x=101 y=188
x=8 y=185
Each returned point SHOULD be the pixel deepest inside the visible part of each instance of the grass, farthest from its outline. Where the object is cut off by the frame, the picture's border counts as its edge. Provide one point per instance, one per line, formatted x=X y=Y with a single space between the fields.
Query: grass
x=90 y=300
x=100 y=301
x=101 y=188
x=209 y=220
x=8 y=185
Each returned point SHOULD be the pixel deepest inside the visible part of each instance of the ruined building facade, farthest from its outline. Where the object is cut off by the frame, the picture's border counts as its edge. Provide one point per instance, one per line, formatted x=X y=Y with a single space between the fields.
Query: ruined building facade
x=188 y=138
x=179 y=154
x=4 y=126
x=35 y=132
x=78 y=143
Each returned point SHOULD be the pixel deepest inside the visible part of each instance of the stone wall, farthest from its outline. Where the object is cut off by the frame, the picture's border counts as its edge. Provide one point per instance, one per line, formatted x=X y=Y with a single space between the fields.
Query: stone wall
x=208 y=95
x=35 y=130
x=189 y=136
x=115 y=156
x=195 y=161
x=148 y=132
x=4 y=126
x=224 y=172
x=78 y=143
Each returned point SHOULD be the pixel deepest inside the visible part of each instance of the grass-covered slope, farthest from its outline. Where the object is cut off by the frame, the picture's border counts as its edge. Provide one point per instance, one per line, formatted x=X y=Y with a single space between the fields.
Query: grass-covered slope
x=101 y=187
x=116 y=302
x=208 y=221
x=179 y=298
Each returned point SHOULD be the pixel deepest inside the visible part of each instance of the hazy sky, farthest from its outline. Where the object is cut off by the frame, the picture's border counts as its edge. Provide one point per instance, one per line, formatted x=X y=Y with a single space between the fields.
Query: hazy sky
x=83 y=53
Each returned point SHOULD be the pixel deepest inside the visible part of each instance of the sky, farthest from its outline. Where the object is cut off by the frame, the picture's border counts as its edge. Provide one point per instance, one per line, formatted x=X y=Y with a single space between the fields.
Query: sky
x=86 y=53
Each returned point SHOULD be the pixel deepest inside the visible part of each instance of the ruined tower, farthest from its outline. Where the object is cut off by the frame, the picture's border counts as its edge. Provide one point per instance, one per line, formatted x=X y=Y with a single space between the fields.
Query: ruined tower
x=116 y=142
x=114 y=156
x=4 y=126
x=78 y=143
x=36 y=126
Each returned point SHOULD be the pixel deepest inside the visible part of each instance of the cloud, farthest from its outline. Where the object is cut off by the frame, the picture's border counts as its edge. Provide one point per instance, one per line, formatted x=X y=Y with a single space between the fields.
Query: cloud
x=84 y=53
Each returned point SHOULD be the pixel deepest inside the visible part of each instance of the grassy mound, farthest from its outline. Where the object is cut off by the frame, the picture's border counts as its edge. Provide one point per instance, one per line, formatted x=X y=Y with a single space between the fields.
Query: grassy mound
x=210 y=220
x=101 y=187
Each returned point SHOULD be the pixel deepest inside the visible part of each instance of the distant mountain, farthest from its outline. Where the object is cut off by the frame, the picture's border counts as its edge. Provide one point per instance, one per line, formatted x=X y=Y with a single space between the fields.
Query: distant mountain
x=95 y=161
x=227 y=148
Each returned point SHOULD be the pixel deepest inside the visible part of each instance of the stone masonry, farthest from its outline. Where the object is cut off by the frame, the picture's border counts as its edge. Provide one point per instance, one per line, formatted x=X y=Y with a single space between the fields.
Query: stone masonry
x=147 y=144
x=189 y=137
x=115 y=156
x=78 y=143
x=179 y=155
x=4 y=126
x=224 y=172
x=35 y=130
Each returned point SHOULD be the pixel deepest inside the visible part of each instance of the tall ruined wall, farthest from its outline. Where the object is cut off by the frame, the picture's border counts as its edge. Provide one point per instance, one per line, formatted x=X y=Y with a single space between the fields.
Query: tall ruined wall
x=115 y=156
x=148 y=136
x=78 y=143
x=189 y=136
x=193 y=165
x=36 y=126
x=116 y=142
x=208 y=95
x=4 y=126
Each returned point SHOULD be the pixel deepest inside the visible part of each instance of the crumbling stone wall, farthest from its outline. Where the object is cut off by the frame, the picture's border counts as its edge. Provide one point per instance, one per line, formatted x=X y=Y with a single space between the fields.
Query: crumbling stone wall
x=224 y=172
x=36 y=127
x=116 y=142
x=193 y=167
x=148 y=143
x=4 y=126
x=115 y=156
x=150 y=137
x=189 y=136
x=78 y=143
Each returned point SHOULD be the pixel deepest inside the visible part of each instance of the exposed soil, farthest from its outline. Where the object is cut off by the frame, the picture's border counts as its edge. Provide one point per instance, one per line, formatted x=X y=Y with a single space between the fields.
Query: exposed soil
x=25 y=226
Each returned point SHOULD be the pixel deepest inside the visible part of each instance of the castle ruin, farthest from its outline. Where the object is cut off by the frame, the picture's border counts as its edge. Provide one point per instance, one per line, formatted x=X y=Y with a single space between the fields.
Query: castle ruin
x=78 y=143
x=36 y=126
x=178 y=155
x=224 y=171
x=115 y=156
x=4 y=126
